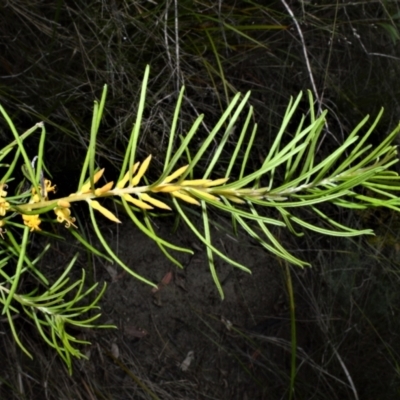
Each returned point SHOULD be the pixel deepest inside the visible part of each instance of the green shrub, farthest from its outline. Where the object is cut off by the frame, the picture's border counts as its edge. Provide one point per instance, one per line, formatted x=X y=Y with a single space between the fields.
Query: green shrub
x=356 y=176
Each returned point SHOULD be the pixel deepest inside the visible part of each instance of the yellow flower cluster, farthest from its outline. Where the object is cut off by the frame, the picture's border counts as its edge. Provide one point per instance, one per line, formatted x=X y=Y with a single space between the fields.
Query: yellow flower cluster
x=190 y=191
x=62 y=211
x=32 y=221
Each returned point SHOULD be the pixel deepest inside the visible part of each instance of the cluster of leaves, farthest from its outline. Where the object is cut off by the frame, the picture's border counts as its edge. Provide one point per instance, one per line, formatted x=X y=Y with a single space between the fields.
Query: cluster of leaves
x=306 y=183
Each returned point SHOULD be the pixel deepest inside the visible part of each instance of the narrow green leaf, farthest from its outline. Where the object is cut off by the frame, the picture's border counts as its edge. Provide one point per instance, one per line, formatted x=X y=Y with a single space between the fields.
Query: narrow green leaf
x=210 y=256
x=172 y=131
x=224 y=139
x=148 y=233
x=204 y=241
x=211 y=136
x=24 y=244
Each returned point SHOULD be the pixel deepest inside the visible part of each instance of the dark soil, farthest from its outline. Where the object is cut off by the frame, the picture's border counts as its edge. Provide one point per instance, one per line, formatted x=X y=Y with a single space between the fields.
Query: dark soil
x=187 y=315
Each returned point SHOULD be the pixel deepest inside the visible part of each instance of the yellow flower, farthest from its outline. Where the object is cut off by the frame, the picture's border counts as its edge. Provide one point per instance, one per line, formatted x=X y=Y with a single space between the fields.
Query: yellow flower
x=32 y=222
x=64 y=215
x=4 y=206
x=3 y=193
x=44 y=191
x=49 y=188
x=35 y=197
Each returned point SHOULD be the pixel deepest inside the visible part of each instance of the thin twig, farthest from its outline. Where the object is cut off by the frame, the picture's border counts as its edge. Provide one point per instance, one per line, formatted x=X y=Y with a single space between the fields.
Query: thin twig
x=310 y=74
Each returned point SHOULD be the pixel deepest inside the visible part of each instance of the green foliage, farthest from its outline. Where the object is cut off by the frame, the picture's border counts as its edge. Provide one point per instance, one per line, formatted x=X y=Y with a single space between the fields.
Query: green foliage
x=356 y=175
